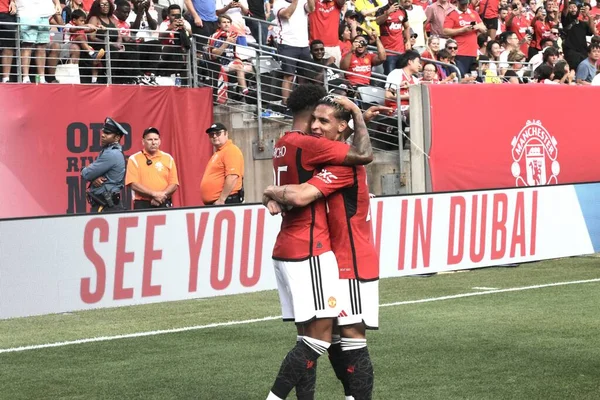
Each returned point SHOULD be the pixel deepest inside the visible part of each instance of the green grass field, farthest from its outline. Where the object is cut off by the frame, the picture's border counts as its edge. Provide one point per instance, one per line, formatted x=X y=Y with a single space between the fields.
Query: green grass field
x=533 y=343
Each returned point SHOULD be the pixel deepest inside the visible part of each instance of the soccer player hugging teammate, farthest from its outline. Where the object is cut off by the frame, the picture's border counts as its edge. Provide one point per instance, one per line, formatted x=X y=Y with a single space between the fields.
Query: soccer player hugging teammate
x=309 y=167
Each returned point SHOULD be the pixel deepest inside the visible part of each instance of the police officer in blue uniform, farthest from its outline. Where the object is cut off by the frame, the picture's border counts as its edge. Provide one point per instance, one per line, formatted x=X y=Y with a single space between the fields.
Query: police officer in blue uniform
x=107 y=173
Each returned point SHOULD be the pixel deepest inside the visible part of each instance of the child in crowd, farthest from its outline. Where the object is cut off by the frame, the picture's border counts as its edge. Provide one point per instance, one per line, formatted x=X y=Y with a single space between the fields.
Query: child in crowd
x=75 y=32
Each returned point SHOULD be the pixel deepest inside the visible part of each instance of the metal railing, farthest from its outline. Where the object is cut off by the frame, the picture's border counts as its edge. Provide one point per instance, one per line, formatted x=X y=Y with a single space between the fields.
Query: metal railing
x=115 y=57
x=257 y=80
x=497 y=75
x=268 y=87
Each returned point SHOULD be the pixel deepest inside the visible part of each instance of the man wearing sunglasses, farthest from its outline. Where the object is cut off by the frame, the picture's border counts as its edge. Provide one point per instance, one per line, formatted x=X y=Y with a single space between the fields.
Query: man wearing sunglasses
x=152 y=174
x=360 y=62
x=222 y=182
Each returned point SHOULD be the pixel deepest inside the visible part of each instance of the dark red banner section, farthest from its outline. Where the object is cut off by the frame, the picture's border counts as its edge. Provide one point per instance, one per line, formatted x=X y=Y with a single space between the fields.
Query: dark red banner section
x=48 y=133
x=501 y=136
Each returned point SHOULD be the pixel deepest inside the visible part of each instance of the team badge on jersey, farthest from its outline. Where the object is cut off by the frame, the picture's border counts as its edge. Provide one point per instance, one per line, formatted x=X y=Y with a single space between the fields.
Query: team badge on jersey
x=535 y=153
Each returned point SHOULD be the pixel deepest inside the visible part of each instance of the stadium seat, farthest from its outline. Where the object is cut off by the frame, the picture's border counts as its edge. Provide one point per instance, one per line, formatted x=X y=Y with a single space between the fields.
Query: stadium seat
x=370 y=95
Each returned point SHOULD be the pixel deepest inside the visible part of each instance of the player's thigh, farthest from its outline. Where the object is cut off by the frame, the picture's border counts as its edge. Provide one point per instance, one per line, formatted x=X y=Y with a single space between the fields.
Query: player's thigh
x=314 y=287
x=359 y=303
x=285 y=292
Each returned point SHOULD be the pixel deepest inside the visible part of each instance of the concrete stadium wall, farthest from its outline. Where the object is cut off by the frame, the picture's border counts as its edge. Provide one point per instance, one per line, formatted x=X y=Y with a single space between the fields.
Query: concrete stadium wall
x=243 y=128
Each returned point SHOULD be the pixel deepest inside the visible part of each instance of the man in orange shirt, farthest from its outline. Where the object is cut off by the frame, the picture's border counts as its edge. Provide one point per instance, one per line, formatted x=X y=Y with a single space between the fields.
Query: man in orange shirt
x=152 y=174
x=224 y=174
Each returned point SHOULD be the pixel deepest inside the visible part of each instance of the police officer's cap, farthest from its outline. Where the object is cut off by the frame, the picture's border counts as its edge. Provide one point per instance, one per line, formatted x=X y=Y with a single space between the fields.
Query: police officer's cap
x=216 y=127
x=112 y=126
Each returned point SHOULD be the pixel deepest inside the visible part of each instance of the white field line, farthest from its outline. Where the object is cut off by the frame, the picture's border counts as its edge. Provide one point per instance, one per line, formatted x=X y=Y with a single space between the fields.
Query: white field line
x=251 y=321
x=484 y=288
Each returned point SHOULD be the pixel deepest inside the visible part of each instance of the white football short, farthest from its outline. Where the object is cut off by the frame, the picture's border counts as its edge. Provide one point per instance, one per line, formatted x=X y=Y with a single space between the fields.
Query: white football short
x=359 y=302
x=308 y=289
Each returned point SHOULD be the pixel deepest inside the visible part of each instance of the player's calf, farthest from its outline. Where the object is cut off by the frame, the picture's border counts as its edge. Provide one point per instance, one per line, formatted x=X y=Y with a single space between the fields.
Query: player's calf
x=299 y=369
x=359 y=369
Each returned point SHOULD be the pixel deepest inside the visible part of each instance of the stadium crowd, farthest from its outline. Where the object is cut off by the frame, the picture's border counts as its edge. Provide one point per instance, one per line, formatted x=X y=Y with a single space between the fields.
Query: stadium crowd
x=489 y=41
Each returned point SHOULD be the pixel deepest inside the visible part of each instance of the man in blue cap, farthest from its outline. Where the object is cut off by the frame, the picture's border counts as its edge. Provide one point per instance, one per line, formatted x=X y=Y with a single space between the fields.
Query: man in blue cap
x=107 y=173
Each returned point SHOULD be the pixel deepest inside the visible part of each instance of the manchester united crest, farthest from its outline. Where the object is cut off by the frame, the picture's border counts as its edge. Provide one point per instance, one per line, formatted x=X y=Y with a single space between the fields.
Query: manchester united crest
x=332 y=302
x=535 y=153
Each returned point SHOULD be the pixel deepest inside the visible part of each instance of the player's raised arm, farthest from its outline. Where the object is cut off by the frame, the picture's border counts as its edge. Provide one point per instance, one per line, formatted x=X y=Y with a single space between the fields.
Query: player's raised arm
x=360 y=152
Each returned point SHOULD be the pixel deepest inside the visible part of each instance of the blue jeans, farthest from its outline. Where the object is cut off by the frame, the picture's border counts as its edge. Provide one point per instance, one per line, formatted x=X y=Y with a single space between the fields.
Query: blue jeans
x=390 y=63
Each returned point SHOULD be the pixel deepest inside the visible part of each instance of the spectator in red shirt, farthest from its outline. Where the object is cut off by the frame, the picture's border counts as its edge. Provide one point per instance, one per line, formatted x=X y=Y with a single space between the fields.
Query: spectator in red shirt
x=359 y=61
x=518 y=23
x=462 y=25
x=488 y=9
x=8 y=13
x=395 y=33
x=323 y=25
x=541 y=30
x=345 y=39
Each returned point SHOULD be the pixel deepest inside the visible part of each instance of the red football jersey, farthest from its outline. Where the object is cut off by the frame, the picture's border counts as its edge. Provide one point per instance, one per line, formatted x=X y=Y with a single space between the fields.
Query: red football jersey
x=541 y=31
x=519 y=26
x=304 y=232
x=467 y=42
x=349 y=218
x=490 y=7
x=324 y=22
x=362 y=66
x=392 y=31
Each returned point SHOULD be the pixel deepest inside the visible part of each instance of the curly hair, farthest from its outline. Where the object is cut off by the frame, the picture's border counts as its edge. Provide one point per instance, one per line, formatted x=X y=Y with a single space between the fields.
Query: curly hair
x=305 y=98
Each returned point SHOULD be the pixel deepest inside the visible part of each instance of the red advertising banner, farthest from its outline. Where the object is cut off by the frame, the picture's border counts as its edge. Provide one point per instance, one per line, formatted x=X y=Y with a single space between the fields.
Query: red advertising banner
x=48 y=133
x=501 y=136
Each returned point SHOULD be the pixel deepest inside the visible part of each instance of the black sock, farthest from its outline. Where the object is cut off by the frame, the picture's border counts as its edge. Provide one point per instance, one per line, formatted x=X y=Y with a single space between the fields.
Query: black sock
x=360 y=373
x=299 y=368
x=336 y=358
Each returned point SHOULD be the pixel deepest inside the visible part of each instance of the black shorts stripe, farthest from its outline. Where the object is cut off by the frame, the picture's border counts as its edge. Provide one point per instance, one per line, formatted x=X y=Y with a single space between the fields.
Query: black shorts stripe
x=312 y=279
x=320 y=283
x=317 y=283
x=358 y=299
x=355 y=302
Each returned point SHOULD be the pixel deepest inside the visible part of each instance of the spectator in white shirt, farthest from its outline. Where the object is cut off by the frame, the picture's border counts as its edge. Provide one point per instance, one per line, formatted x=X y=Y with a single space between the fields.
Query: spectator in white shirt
x=416 y=20
x=35 y=31
x=293 y=38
